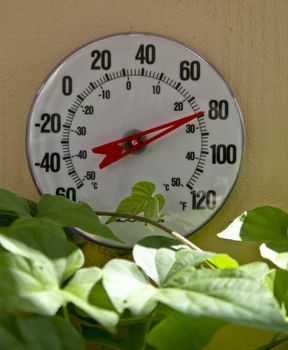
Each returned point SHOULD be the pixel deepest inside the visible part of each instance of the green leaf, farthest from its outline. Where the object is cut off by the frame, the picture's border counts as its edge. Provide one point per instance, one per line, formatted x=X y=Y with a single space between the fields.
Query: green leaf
x=43 y=260
x=67 y=213
x=257 y=270
x=30 y=286
x=186 y=263
x=35 y=239
x=33 y=286
x=7 y=219
x=231 y=295
x=128 y=287
x=156 y=261
x=263 y=224
x=29 y=224
x=148 y=256
x=141 y=201
x=33 y=207
x=98 y=297
x=223 y=261
x=160 y=242
x=78 y=290
x=10 y=203
x=38 y=332
x=278 y=280
x=277 y=252
x=161 y=201
x=186 y=332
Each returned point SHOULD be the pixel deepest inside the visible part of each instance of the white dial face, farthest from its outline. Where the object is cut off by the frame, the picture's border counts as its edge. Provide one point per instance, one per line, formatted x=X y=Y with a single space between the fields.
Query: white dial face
x=123 y=87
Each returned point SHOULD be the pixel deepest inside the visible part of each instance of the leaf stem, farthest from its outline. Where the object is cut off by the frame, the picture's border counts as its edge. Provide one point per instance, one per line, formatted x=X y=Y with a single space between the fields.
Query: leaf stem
x=175 y=234
x=66 y=313
x=273 y=344
x=145 y=331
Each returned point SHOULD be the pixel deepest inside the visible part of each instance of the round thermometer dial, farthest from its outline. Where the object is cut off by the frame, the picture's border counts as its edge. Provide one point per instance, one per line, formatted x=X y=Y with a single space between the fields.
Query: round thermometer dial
x=137 y=107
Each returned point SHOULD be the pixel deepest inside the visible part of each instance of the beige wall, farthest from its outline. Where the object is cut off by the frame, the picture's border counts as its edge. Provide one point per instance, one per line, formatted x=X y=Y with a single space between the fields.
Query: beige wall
x=247 y=40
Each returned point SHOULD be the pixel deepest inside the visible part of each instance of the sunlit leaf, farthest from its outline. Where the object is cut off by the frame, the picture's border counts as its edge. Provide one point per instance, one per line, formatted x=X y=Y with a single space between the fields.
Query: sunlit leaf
x=28 y=286
x=256 y=269
x=35 y=282
x=223 y=261
x=277 y=252
x=263 y=224
x=231 y=295
x=128 y=287
x=152 y=255
x=278 y=283
x=141 y=201
x=34 y=240
x=78 y=290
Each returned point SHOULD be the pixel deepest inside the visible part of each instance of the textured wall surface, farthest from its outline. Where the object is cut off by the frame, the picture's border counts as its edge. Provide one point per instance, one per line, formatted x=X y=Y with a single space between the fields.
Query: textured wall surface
x=245 y=39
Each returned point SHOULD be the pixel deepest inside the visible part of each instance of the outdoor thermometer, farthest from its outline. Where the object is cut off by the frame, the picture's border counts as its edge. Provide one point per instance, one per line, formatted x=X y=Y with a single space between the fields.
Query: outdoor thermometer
x=137 y=107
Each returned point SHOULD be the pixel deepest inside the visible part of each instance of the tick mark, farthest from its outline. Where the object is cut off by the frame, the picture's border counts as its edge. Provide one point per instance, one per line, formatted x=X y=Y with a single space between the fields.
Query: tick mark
x=177 y=86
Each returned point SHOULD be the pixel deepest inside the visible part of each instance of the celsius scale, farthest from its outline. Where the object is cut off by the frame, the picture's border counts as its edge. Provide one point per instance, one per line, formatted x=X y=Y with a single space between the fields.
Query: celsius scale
x=137 y=107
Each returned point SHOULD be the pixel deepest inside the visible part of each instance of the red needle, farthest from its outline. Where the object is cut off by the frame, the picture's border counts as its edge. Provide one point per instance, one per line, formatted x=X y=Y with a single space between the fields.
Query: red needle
x=116 y=150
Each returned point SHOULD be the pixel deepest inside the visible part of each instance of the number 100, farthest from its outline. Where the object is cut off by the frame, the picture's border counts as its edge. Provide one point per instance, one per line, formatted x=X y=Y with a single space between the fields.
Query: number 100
x=222 y=154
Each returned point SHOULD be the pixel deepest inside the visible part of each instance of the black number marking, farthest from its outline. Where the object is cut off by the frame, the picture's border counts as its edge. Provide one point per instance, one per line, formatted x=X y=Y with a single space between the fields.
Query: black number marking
x=51 y=123
x=90 y=175
x=146 y=54
x=82 y=154
x=51 y=162
x=203 y=200
x=104 y=58
x=81 y=131
x=178 y=106
x=128 y=85
x=190 y=70
x=67 y=85
x=69 y=192
x=218 y=109
x=190 y=155
x=190 y=128
x=156 y=89
x=105 y=94
x=88 y=110
x=175 y=182
x=222 y=154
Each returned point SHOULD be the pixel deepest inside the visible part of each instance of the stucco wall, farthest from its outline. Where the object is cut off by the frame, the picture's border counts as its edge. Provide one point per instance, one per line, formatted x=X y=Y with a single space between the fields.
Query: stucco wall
x=245 y=39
